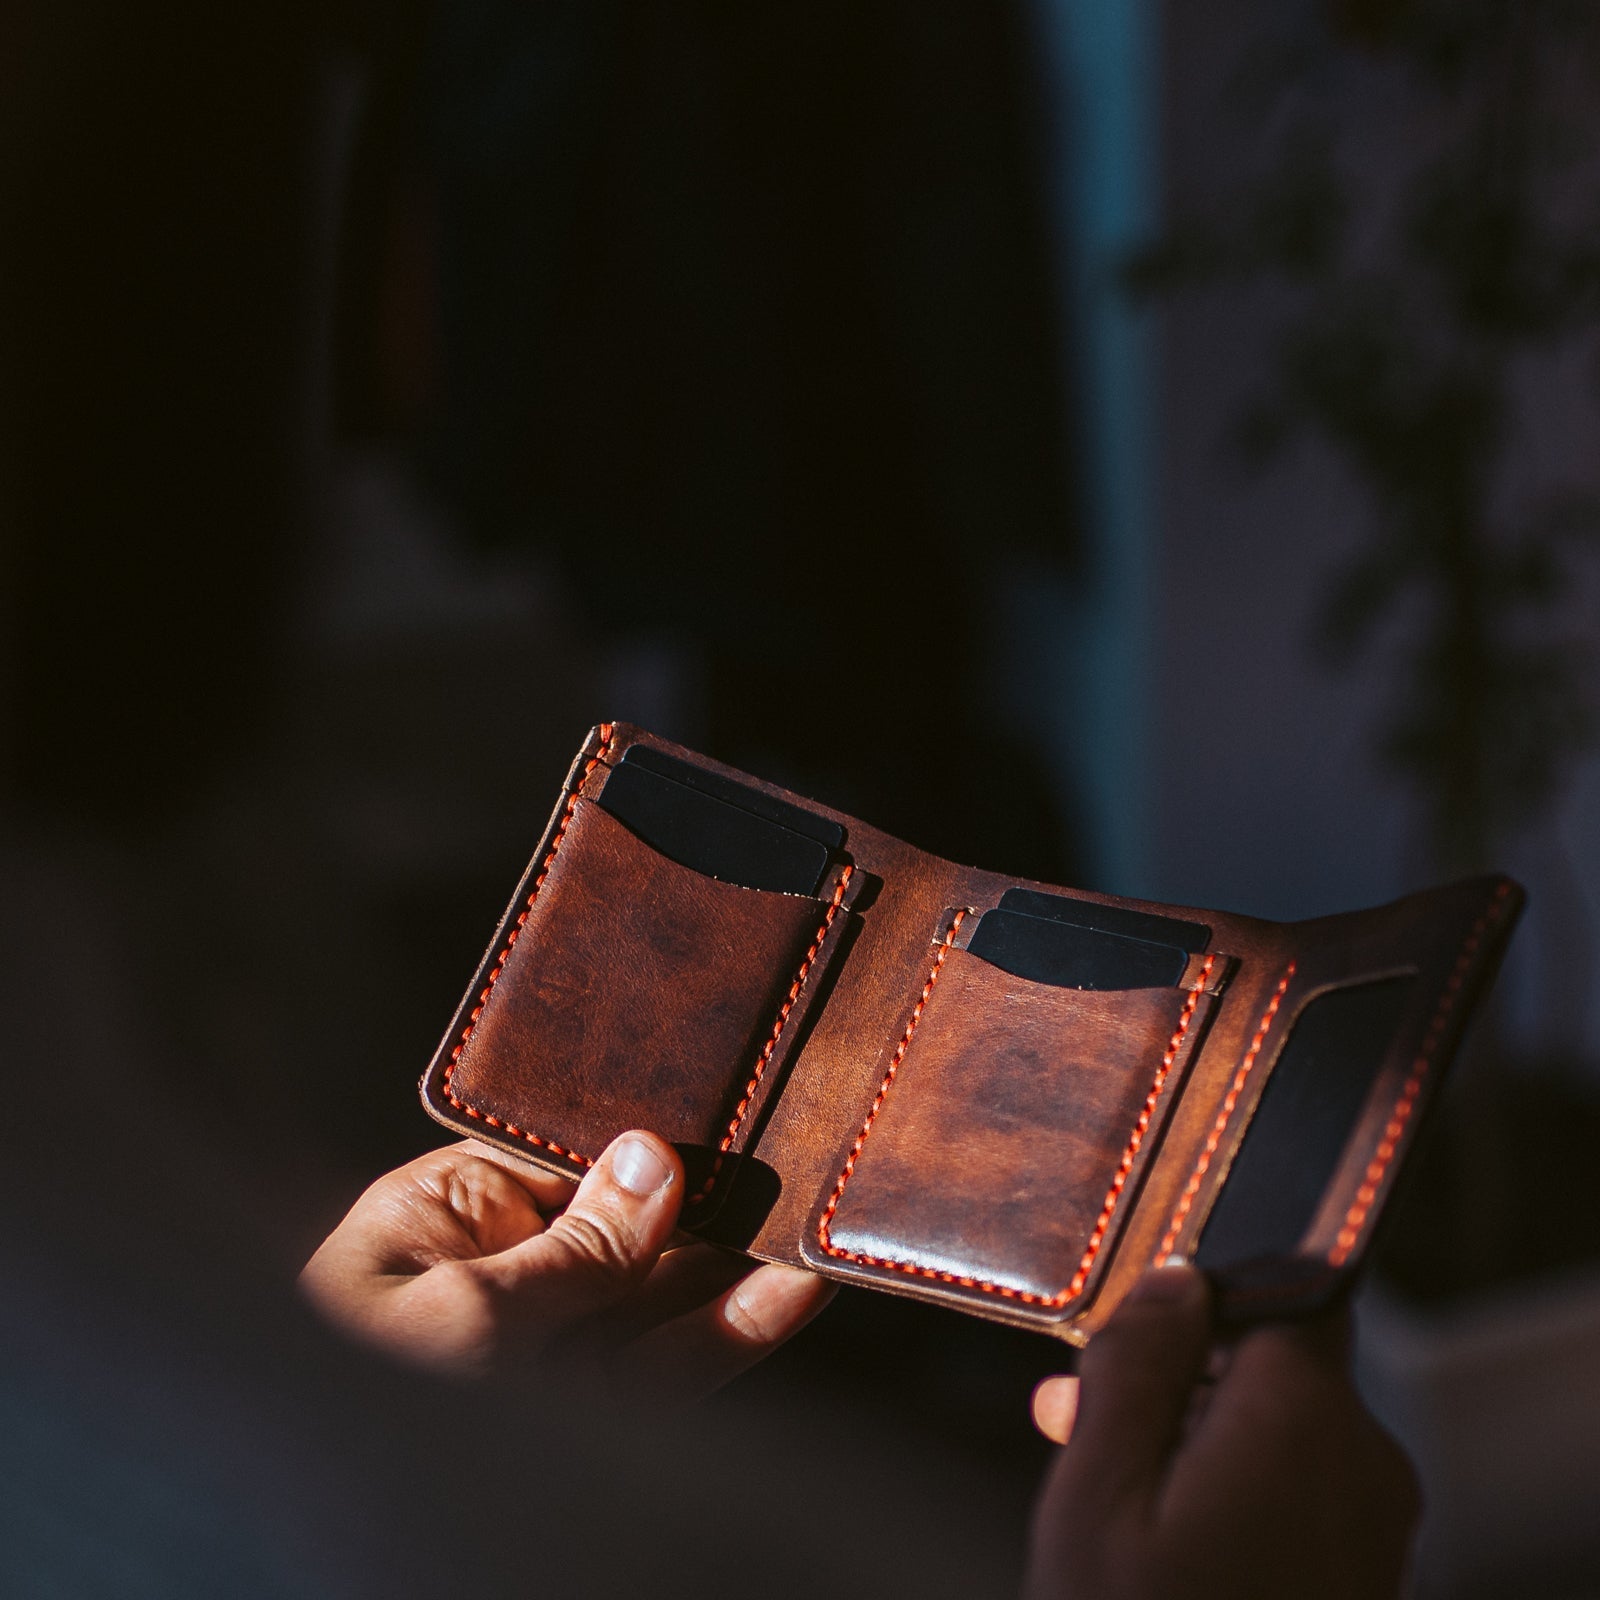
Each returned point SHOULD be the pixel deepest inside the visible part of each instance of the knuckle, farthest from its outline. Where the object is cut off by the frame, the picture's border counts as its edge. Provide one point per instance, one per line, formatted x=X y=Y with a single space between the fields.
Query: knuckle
x=450 y=1183
x=461 y=1195
x=597 y=1241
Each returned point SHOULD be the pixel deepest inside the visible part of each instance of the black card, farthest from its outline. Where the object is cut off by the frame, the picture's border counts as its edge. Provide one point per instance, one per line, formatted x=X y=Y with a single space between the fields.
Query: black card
x=711 y=835
x=1072 y=957
x=734 y=793
x=1186 y=936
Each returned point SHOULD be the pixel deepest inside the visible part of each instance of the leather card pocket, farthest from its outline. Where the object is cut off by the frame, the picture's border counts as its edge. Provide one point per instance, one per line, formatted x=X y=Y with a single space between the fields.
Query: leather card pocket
x=637 y=992
x=719 y=827
x=1010 y=1132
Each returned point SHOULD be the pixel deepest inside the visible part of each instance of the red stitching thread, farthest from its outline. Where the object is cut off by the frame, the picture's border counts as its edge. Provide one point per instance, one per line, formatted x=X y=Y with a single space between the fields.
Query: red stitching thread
x=1240 y=1078
x=764 y=1060
x=1356 y=1217
x=888 y=1080
x=606 y=736
x=1113 y=1195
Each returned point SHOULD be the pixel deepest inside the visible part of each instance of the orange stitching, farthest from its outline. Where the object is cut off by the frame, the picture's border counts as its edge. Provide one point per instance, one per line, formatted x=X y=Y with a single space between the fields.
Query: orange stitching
x=765 y=1058
x=1139 y=1128
x=607 y=733
x=1240 y=1078
x=1356 y=1217
x=1113 y=1196
x=888 y=1080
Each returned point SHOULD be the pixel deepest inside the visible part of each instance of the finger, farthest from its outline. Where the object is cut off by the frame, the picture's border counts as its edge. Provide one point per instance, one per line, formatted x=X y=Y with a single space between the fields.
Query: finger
x=443 y=1206
x=1287 y=1408
x=684 y=1279
x=604 y=1245
x=1137 y=1376
x=550 y=1190
x=1301 y=1356
x=1328 y=1339
x=695 y=1354
x=1055 y=1407
x=1280 y=1380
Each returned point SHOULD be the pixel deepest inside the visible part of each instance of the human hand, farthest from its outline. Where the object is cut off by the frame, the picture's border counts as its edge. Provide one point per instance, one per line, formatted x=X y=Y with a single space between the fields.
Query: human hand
x=461 y=1262
x=1274 y=1482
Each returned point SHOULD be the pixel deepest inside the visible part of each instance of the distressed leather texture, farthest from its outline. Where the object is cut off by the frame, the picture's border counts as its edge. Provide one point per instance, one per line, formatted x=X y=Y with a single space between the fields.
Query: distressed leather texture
x=630 y=978
x=988 y=1162
x=856 y=1092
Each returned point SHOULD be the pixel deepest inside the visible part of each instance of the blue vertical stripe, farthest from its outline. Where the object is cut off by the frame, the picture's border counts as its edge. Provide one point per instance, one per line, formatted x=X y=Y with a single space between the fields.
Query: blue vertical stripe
x=1102 y=61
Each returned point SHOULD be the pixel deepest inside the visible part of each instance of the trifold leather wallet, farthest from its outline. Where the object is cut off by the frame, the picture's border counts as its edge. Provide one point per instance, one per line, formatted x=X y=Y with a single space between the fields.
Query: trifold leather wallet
x=980 y=1091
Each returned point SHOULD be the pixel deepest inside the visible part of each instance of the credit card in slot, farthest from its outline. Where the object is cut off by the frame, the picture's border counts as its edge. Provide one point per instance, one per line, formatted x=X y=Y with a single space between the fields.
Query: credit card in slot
x=705 y=832
x=730 y=790
x=1072 y=957
x=1186 y=936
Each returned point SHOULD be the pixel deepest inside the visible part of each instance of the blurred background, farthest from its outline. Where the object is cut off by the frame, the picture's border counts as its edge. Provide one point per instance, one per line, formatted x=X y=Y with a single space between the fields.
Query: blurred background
x=1188 y=414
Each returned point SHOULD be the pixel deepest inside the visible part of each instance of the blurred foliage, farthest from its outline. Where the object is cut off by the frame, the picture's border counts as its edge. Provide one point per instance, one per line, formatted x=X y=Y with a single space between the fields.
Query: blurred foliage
x=1406 y=322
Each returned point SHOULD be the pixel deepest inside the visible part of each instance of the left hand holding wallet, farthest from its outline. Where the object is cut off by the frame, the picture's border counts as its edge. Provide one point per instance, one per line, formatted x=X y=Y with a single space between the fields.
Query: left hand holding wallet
x=468 y=1263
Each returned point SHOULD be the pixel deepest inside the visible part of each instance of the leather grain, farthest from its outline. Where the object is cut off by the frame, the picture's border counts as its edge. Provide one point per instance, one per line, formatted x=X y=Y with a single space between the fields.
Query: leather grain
x=988 y=1158
x=639 y=993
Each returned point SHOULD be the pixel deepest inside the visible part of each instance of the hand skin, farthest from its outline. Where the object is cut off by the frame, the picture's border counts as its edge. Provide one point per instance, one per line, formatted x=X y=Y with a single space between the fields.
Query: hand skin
x=461 y=1262
x=1273 y=1482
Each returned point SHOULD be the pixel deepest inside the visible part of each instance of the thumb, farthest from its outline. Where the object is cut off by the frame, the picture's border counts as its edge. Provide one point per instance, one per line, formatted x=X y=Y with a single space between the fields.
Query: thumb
x=604 y=1244
x=1136 y=1377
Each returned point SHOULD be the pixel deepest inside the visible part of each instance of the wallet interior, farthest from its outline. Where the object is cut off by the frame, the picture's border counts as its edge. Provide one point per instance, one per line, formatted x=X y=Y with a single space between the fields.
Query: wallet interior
x=1004 y=1096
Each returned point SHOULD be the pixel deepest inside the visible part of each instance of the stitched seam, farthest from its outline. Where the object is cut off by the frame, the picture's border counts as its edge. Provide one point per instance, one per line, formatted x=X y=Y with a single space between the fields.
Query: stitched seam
x=1113 y=1195
x=883 y=1090
x=1361 y=1208
x=764 y=1060
x=607 y=735
x=1224 y=1116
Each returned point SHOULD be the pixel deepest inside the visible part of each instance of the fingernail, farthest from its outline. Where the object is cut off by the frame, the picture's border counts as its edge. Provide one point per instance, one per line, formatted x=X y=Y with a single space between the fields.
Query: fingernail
x=638 y=1167
x=1173 y=1282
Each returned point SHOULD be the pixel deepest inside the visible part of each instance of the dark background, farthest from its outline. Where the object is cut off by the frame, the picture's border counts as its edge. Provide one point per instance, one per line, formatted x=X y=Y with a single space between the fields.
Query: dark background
x=388 y=397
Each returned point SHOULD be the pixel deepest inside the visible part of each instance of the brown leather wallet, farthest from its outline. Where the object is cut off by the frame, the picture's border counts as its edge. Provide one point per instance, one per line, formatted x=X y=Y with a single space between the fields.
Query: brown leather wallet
x=994 y=1094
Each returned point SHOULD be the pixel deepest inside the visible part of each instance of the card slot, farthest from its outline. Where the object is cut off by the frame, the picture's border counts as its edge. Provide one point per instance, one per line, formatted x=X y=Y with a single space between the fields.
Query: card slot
x=710 y=834
x=1320 y=1084
x=1156 y=927
x=1068 y=955
x=1010 y=1133
x=812 y=824
x=636 y=992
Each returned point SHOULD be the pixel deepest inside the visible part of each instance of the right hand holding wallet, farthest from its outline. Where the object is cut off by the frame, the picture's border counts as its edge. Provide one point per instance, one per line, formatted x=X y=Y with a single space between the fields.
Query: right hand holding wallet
x=990 y=1093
